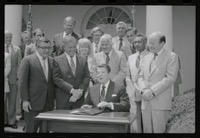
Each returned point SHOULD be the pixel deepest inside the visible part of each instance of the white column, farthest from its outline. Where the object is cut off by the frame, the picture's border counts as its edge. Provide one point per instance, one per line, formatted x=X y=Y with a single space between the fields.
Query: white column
x=159 y=18
x=13 y=22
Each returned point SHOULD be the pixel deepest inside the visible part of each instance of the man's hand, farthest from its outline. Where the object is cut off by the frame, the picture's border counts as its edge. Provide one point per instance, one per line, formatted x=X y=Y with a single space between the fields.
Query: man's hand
x=147 y=95
x=77 y=93
x=26 y=106
x=86 y=106
x=103 y=105
x=72 y=99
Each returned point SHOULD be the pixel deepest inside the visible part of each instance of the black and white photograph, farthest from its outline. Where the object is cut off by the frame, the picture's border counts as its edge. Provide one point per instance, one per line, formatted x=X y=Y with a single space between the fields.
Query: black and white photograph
x=99 y=69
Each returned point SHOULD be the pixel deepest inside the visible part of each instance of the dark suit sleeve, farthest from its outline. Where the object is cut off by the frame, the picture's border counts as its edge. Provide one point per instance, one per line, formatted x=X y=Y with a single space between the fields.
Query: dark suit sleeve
x=23 y=79
x=88 y=99
x=123 y=105
x=58 y=80
x=86 y=78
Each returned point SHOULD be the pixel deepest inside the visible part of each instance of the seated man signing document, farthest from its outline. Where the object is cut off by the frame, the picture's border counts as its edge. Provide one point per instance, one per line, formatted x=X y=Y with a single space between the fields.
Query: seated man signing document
x=107 y=94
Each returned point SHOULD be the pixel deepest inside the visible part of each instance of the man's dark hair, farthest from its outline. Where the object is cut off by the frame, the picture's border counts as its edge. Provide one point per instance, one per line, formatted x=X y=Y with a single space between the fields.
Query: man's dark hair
x=106 y=66
x=144 y=38
x=42 y=39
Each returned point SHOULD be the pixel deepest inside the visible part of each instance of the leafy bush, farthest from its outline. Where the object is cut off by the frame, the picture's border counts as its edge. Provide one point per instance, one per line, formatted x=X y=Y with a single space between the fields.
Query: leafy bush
x=182 y=115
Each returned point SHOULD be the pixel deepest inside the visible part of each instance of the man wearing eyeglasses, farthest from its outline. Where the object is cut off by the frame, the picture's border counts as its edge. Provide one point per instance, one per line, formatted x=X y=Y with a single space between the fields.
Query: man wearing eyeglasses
x=107 y=94
x=36 y=85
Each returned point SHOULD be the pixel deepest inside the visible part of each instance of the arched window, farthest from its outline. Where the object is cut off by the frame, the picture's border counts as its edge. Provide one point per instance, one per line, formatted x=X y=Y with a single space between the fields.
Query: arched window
x=106 y=17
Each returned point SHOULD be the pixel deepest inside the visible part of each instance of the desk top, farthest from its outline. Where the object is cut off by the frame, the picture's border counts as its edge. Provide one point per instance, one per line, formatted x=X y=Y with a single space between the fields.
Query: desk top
x=108 y=117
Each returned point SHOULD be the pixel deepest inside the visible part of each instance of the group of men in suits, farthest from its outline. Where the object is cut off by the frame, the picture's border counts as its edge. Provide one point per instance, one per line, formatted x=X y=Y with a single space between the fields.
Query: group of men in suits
x=129 y=77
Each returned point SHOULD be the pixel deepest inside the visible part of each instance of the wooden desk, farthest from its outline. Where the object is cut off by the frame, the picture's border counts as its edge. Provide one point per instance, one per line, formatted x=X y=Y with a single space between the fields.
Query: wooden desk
x=63 y=121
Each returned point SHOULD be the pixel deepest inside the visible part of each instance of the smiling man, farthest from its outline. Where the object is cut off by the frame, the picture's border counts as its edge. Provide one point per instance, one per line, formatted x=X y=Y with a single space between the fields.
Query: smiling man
x=107 y=94
x=115 y=59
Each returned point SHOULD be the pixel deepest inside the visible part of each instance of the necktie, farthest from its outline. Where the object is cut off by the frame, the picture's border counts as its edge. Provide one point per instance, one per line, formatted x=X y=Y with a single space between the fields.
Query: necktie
x=96 y=48
x=102 y=98
x=120 y=43
x=7 y=49
x=73 y=65
x=107 y=58
x=138 y=61
x=152 y=62
x=44 y=68
x=133 y=49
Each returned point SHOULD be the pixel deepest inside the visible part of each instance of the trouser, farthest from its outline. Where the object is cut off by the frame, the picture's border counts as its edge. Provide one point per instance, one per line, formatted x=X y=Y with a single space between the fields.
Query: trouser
x=154 y=121
x=136 y=126
x=32 y=125
x=10 y=105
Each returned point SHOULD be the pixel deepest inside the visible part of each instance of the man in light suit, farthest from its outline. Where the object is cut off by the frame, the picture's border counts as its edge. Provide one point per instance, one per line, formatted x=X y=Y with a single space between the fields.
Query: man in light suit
x=96 y=34
x=115 y=59
x=120 y=42
x=71 y=76
x=58 y=45
x=107 y=94
x=36 y=85
x=134 y=62
x=158 y=73
x=15 y=55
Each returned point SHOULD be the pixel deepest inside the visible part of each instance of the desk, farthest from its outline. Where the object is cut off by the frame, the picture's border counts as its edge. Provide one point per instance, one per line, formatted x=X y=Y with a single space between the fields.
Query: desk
x=63 y=121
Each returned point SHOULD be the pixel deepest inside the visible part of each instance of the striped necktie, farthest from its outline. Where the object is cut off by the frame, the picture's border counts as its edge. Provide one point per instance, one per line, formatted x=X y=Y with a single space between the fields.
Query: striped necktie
x=72 y=65
x=107 y=58
x=44 y=68
x=138 y=61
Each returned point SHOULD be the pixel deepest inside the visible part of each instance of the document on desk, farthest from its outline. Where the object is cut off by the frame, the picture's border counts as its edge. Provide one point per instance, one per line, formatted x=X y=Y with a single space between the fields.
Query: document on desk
x=87 y=111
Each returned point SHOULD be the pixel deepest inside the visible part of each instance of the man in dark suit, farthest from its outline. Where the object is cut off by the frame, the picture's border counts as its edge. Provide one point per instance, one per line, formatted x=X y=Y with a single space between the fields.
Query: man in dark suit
x=36 y=85
x=15 y=54
x=58 y=45
x=107 y=94
x=71 y=76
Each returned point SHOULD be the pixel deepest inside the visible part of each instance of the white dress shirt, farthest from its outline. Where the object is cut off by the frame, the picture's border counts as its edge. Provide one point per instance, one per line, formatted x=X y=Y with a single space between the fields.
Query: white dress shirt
x=106 y=89
x=46 y=63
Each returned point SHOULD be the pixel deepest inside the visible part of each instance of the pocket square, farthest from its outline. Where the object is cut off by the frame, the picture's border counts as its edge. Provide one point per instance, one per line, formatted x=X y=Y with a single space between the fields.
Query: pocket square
x=114 y=95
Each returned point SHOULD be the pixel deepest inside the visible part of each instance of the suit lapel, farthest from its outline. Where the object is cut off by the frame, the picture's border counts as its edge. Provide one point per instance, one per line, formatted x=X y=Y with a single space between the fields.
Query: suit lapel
x=160 y=58
x=97 y=95
x=39 y=66
x=110 y=91
x=77 y=65
x=113 y=58
x=49 y=68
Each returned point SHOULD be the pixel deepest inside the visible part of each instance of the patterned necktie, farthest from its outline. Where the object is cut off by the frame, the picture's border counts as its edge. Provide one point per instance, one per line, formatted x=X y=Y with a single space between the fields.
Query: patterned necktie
x=7 y=49
x=152 y=62
x=107 y=58
x=73 y=66
x=44 y=68
x=120 y=43
x=102 y=97
x=138 y=61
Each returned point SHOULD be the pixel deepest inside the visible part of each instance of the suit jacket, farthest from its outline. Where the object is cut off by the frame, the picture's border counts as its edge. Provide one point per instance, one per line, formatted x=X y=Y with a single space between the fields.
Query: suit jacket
x=126 y=48
x=65 y=80
x=117 y=64
x=33 y=86
x=7 y=68
x=160 y=79
x=132 y=74
x=115 y=94
x=58 y=43
x=15 y=63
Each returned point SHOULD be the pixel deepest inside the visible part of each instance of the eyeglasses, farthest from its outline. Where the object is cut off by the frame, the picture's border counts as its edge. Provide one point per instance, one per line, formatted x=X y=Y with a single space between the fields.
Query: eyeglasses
x=43 y=48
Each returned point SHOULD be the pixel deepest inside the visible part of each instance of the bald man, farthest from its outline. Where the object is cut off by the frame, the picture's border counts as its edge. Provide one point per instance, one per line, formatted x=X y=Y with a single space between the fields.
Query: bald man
x=15 y=54
x=158 y=74
x=68 y=25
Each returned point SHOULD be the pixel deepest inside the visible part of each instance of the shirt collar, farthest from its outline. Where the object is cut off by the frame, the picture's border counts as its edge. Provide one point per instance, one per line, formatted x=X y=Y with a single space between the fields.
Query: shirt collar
x=110 y=53
x=64 y=34
x=106 y=85
x=69 y=56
